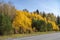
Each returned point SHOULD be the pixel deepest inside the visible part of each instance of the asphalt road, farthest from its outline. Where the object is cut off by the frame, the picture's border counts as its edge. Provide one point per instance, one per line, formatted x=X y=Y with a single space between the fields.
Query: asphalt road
x=53 y=36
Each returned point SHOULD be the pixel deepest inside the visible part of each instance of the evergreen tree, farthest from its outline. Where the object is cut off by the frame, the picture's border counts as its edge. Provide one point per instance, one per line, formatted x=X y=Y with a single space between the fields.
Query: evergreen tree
x=44 y=15
x=37 y=11
x=58 y=20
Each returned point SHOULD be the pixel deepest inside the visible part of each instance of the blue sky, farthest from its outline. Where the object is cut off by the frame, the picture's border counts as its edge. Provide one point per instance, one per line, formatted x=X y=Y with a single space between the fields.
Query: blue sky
x=51 y=6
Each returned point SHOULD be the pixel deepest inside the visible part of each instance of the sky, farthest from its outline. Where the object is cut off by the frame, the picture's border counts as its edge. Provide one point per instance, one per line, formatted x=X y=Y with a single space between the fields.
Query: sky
x=52 y=6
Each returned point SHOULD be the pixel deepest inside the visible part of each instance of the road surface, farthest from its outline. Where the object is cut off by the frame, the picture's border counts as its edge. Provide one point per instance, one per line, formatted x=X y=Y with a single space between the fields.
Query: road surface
x=53 y=36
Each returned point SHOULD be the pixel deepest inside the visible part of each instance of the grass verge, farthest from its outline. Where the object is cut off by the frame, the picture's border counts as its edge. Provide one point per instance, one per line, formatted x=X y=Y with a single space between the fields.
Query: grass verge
x=23 y=35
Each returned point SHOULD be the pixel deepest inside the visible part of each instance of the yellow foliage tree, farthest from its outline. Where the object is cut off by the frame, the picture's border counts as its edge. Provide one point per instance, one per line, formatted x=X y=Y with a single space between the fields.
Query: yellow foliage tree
x=21 y=20
x=55 y=26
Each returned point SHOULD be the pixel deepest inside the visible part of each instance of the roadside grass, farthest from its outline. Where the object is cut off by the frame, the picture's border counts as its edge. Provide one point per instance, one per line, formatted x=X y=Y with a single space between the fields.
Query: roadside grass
x=23 y=35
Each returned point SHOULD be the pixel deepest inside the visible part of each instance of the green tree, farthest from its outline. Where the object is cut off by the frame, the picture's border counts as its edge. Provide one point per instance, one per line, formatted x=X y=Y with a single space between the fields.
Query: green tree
x=1 y=28
x=51 y=17
x=40 y=25
x=5 y=25
x=49 y=27
x=44 y=15
x=58 y=21
x=37 y=11
x=25 y=10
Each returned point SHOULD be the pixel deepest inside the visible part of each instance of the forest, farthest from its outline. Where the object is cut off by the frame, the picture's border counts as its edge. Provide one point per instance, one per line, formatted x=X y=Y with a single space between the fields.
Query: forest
x=14 y=21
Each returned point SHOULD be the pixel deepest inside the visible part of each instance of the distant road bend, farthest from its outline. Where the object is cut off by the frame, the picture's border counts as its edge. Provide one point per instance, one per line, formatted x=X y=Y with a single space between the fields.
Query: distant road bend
x=53 y=36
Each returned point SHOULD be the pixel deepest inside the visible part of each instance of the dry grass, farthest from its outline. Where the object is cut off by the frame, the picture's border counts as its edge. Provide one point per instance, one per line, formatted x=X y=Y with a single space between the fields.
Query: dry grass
x=23 y=35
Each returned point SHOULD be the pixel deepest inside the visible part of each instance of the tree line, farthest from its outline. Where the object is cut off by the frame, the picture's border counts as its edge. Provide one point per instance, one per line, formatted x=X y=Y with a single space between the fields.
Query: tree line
x=13 y=21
